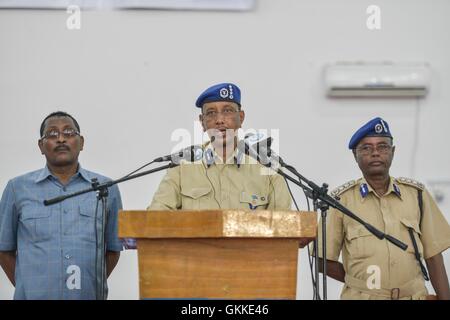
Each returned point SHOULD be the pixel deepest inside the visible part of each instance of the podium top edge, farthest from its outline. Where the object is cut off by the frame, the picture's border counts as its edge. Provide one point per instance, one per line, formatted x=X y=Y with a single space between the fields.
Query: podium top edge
x=217 y=224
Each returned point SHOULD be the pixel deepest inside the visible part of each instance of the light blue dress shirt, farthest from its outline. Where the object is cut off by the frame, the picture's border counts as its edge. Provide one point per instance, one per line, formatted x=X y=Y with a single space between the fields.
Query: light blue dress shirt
x=56 y=244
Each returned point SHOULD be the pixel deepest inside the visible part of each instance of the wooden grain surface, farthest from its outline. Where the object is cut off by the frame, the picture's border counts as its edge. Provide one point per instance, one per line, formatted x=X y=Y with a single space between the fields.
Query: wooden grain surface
x=230 y=254
x=218 y=268
x=217 y=224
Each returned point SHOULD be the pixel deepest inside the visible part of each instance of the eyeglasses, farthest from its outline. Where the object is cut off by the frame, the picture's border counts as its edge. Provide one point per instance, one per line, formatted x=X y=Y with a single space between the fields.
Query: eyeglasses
x=369 y=149
x=213 y=114
x=54 y=134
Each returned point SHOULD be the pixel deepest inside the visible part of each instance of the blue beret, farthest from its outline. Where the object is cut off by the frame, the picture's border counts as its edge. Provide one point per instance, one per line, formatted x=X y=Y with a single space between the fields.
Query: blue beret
x=374 y=128
x=220 y=92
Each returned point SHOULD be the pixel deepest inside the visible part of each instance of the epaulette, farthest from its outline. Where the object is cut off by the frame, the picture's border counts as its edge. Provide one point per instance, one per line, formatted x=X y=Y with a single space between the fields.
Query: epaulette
x=339 y=190
x=411 y=182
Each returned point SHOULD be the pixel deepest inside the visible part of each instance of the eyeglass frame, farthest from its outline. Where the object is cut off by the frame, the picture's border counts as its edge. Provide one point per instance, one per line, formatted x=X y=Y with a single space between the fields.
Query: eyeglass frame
x=227 y=113
x=66 y=135
x=385 y=148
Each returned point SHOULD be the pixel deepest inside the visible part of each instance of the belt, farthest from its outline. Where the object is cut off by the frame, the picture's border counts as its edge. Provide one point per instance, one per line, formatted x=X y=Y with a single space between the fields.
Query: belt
x=413 y=289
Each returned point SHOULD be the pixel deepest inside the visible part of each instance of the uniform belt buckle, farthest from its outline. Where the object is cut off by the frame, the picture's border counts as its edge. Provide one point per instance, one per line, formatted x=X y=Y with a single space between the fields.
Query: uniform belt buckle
x=395 y=293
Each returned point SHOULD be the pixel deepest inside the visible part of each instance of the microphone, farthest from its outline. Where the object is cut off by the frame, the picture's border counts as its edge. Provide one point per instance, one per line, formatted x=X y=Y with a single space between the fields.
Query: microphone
x=191 y=154
x=270 y=159
x=252 y=144
x=258 y=148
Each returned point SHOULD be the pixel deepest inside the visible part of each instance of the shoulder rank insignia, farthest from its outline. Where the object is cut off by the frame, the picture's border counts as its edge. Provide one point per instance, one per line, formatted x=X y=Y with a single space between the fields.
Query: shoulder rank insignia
x=411 y=182
x=339 y=190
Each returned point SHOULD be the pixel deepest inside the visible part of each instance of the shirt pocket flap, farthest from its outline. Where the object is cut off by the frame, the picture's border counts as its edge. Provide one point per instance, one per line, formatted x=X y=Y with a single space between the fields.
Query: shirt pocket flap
x=354 y=232
x=35 y=214
x=87 y=209
x=409 y=223
x=196 y=193
x=254 y=199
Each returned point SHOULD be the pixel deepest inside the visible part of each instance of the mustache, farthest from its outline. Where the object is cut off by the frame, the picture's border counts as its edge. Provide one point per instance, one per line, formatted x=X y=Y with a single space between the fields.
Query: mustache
x=61 y=147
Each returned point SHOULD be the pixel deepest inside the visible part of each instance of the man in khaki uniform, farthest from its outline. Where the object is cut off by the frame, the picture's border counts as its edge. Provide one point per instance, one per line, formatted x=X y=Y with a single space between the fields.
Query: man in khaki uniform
x=212 y=183
x=373 y=268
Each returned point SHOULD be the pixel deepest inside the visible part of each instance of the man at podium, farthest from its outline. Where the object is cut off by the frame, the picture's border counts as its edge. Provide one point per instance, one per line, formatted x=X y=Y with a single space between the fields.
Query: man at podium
x=219 y=255
x=224 y=177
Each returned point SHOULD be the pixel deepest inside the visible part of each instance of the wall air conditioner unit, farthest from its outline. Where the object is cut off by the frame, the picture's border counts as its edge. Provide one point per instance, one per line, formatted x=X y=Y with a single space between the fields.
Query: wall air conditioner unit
x=348 y=79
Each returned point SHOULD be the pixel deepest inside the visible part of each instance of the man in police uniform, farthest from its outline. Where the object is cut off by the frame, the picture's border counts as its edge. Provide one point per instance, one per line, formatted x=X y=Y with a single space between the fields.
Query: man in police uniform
x=400 y=207
x=224 y=178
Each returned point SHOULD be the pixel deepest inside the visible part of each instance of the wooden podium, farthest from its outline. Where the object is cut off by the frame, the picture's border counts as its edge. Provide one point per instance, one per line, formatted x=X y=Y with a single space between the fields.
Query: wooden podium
x=229 y=254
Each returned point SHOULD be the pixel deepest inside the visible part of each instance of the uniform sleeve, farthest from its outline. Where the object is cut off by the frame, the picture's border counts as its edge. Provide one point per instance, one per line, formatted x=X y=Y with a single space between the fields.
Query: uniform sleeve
x=279 y=196
x=435 y=230
x=113 y=242
x=8 y=219
x=335 y=235
x=168 y=196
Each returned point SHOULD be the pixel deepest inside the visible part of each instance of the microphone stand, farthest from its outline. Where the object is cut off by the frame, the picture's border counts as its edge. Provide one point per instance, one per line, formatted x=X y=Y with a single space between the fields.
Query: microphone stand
x=323 y=201
x=316 y=193
x=323 y=210
x=102 y=195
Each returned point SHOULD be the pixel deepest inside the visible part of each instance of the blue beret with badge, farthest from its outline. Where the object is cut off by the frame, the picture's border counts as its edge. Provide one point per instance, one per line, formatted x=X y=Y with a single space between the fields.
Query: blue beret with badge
x=220 y=92
x=376 y=127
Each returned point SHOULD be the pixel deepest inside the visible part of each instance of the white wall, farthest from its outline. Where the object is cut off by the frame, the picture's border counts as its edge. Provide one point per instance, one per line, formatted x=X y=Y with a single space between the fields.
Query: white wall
x=132 y=77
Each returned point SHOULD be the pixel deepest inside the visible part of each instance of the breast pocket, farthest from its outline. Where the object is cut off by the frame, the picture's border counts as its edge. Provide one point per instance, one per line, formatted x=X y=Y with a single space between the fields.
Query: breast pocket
x=86 y=224
x=414 y=226
x=359 y=241
x=253 y=201
x=37 y=224
x=197 y=198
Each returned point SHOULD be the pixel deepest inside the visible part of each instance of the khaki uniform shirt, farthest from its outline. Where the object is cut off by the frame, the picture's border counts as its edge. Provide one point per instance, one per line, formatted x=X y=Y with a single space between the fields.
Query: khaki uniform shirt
x=363 y=253
x=208 y=184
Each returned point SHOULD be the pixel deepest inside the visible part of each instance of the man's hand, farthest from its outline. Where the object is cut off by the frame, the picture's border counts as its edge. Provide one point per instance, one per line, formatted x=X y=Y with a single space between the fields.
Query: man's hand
x=8 y=263
x=438 y=276
x=335 y=270
x=112 y=257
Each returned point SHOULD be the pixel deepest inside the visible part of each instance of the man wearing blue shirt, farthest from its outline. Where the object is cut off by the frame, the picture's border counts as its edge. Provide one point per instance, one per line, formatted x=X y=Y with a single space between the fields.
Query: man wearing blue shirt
x=49 y=252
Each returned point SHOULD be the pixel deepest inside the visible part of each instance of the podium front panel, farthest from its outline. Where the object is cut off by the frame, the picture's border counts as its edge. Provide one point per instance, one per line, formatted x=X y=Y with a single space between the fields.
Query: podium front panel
x=218 y=268
x=229 y=254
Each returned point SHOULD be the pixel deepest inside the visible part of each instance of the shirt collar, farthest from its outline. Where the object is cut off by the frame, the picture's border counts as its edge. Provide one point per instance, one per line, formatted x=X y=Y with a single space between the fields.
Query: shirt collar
x=210 y=156
x=45 y=173
x=84 y=174
x=365 y=189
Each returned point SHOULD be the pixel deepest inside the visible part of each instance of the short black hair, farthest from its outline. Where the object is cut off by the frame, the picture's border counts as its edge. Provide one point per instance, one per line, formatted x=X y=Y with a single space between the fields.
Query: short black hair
x=58 y=114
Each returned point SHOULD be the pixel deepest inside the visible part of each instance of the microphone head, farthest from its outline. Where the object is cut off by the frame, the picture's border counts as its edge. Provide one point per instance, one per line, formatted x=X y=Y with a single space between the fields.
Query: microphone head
x=196 y=153
x=259 y=140
x=242 y=146
x=253 y=138
x=190 y=154
x=256 y=146
x=248 y=136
